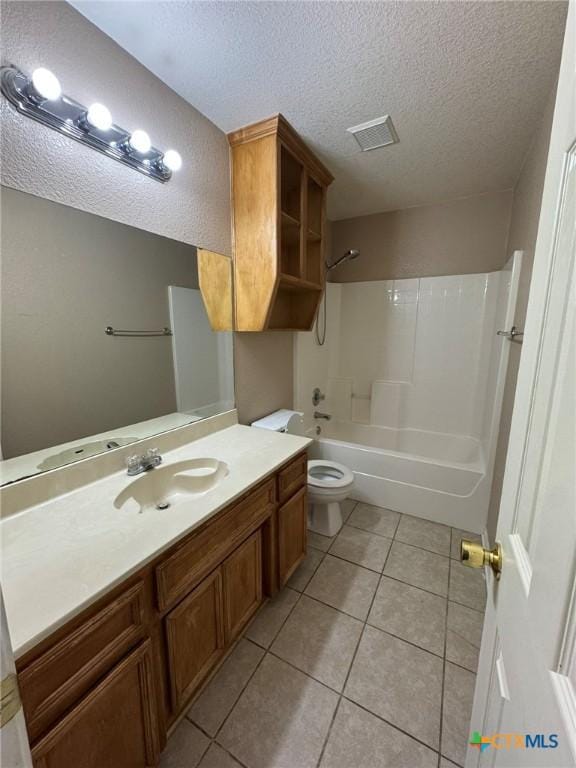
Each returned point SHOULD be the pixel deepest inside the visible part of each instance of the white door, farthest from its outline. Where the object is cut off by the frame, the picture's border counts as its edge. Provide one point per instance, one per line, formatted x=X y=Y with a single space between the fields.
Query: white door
x=525 y=703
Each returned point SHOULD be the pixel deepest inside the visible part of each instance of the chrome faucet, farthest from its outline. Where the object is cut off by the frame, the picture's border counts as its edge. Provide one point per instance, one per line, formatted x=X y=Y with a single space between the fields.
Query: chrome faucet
x=318 y=415
x=135 y=465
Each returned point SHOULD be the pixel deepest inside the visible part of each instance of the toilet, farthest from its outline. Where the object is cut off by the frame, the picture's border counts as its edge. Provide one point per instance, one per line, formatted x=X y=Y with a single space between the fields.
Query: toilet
x=329 y=482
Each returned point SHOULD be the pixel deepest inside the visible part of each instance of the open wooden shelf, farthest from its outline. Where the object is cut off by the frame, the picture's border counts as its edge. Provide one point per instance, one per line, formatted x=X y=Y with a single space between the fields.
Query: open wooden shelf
x=290 y=262
x=314 y=205
x=289 y=221
x=291 y=172
x=279 y=196
x=290 y=283
x=294 y=310
x=314 y=268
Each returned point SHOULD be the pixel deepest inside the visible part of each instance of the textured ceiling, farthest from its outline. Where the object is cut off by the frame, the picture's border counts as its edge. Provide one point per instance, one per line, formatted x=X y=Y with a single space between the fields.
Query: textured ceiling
x=465 y=82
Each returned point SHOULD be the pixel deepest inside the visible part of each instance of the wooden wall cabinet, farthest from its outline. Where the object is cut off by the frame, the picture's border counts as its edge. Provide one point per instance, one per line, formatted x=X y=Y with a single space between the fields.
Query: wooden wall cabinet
x=104 y=689
x=279 y=219
x=279 y=227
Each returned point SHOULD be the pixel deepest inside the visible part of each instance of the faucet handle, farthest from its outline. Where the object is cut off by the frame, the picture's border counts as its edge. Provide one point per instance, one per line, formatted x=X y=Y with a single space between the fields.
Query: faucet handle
x=133 y=464
x=152 y=457
x=317 y=396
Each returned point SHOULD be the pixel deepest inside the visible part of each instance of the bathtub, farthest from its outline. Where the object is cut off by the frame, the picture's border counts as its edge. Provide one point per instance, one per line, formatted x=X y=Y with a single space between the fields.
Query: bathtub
x=436 y=476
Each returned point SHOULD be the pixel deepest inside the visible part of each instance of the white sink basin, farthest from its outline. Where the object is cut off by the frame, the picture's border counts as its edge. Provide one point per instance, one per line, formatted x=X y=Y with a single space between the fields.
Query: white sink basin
x=165 y=486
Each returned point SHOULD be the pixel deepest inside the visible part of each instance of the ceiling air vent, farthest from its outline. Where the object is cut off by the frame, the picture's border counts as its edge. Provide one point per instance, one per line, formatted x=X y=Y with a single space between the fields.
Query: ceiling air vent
x=375 y=133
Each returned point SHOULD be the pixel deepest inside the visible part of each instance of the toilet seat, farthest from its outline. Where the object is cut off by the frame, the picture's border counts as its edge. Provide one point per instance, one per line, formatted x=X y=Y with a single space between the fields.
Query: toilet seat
x=329 y=474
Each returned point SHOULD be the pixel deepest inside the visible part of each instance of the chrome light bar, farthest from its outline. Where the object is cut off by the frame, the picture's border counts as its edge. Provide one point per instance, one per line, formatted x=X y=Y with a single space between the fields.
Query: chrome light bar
x=40 y=98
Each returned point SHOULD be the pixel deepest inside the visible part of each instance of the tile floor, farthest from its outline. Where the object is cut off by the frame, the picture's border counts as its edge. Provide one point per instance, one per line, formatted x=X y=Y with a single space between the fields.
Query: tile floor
x=366 y=659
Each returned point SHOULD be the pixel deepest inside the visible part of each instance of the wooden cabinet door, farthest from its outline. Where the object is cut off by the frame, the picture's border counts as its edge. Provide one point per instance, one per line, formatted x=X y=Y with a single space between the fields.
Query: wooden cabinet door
x=114 y=725
x=292 y=525
x=68 y=670
x=242 y=573
x=195 y=638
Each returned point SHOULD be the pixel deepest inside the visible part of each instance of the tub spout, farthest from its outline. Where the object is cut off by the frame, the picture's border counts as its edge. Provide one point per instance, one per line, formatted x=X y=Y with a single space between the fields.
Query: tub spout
x=318 y=415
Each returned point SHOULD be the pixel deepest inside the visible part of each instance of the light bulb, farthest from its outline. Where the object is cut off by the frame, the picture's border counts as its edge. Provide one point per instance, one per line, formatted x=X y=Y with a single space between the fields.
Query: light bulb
x=172 y=160
x=99 y=116
x=46 y=84
x=140 y=141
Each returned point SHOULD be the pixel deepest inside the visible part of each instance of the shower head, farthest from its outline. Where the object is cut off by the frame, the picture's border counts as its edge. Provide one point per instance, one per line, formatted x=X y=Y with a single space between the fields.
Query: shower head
x=348 y=256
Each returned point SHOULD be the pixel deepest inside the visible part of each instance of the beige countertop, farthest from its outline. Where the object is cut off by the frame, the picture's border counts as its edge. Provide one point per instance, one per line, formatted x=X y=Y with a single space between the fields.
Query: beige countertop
x=61 y=556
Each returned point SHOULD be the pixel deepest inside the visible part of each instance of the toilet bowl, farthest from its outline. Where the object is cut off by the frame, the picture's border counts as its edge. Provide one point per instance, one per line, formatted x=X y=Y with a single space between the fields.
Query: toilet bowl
x=329 y=483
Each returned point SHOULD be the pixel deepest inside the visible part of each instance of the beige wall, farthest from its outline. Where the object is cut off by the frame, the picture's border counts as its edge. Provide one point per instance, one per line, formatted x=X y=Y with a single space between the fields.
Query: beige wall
x=463 y=236
x=523 y=231
x=65 y=276
x=263 y=372
x=194 y=206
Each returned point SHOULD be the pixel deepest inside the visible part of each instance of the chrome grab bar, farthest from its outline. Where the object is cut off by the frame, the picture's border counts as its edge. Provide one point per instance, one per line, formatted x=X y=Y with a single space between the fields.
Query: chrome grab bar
x=109 y=331
x=512 y=334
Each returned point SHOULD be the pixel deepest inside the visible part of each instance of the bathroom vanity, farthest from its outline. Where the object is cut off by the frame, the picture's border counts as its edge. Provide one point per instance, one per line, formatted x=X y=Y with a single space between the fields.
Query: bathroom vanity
x=105 y=672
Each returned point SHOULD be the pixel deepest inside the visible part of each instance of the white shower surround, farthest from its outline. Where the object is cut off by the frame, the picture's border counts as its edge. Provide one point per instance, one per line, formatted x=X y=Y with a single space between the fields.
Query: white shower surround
x=413 y=374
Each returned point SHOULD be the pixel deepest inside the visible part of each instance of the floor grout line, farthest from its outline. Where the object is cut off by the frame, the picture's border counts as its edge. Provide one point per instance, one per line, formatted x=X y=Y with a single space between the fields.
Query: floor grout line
x=303 y=672
x=332 y=539
x=205 y=752
x=268 y=601
x=400 y=541
x=391 y=724
x=394 y=578
x=365 y=623
x=353 y=659
x=355 y=562
x=386 y=631
x=311 y=575
x=441 y=734
x=329 y=731
x=214 y=739
x=225 y=749
x=382 y=573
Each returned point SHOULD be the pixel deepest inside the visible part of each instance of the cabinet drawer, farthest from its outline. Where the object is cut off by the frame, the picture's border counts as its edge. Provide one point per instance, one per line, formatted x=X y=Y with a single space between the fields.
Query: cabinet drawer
x=58 y=678
x=113 y=725
x=292 y=478
x=206 y=548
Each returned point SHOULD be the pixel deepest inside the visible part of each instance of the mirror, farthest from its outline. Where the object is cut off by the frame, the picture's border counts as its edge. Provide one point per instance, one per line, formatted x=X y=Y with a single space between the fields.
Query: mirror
x=105 y=337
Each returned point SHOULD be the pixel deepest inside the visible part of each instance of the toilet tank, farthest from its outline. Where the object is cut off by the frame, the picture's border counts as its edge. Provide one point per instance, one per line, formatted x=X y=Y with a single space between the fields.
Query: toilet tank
x=283 y=420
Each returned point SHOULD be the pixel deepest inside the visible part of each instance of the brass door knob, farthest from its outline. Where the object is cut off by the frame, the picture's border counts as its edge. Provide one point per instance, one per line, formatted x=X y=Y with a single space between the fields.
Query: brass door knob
x=474 y=555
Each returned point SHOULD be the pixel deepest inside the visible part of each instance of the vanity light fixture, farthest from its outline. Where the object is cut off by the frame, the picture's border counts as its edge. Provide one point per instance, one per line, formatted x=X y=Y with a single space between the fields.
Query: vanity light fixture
x=139 y=141
x=44 y=86
x=99 y=117
x=172 y=160
x=40 y=97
